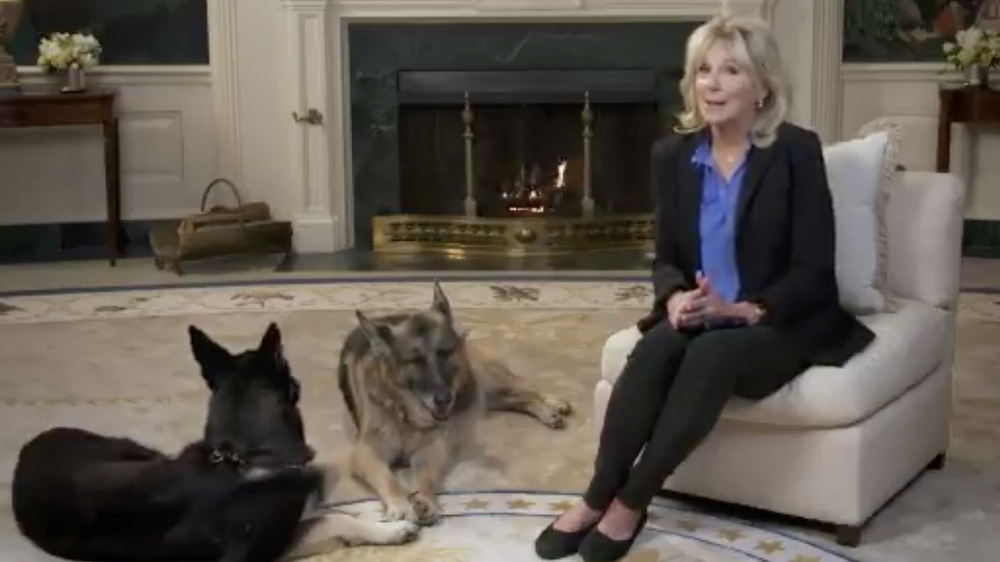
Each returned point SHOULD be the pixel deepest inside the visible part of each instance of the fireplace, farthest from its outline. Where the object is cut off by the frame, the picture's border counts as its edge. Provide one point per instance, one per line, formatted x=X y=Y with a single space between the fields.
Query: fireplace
x=508 y=137
x=528 y=133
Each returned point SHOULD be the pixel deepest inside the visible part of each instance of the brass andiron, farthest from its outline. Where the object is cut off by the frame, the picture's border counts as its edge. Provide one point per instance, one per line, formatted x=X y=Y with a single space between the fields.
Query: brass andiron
x=587 y=115
x=10 y=15
x=470 y=196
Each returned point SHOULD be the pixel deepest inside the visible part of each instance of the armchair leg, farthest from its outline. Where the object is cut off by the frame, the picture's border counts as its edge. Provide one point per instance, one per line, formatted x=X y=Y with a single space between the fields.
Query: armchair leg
x=937 y=463
x=849 y=535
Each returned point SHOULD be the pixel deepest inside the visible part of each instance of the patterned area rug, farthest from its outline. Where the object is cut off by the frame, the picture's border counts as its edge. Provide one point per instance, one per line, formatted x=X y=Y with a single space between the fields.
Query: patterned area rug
x=118 y=362
x=502 y=526
x=276 y=298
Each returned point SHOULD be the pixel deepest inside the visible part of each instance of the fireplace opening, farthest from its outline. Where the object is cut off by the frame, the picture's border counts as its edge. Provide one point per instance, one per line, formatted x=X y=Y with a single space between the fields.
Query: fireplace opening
x=527 y=143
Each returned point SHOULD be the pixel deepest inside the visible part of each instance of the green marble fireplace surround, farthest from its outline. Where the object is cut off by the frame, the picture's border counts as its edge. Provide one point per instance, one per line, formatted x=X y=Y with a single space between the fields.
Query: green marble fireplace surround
x=379 y=52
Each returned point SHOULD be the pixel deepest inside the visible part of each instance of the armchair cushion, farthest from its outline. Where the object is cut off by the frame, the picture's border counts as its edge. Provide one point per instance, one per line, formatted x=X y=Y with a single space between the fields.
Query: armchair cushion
x=862 y=172
x=909 y=344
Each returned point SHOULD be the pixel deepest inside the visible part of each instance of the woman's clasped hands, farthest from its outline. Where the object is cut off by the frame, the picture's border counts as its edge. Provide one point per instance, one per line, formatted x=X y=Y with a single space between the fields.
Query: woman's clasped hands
x=700 y=307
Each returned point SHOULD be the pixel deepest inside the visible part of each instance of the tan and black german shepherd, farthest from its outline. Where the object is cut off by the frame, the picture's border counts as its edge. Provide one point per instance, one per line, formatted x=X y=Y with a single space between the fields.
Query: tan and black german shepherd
x=414 y=387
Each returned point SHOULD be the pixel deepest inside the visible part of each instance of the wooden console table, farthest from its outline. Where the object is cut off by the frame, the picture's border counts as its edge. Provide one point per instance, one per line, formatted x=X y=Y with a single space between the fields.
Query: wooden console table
x=963 y=105
x=48 y=109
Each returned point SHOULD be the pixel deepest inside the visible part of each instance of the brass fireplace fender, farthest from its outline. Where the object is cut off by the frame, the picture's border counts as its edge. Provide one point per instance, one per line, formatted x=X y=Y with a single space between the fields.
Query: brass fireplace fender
x=510 y=236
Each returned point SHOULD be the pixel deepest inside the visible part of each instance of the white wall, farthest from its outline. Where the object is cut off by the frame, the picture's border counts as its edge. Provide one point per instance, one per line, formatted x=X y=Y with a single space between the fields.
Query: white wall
x=181 y=126
x=908 y=94
x=168 y=151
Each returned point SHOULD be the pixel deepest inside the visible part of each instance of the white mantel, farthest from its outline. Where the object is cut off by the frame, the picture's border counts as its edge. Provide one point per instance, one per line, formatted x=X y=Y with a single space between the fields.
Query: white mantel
x=276 y=58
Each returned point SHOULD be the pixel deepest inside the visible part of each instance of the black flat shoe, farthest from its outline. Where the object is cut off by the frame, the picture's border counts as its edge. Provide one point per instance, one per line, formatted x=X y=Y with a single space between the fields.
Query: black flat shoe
x=553 y=544
x=599 y=548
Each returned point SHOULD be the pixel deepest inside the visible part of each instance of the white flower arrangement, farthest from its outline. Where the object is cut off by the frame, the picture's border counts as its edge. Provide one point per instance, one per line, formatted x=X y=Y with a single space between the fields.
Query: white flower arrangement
x=60 y=51
x=973 y=46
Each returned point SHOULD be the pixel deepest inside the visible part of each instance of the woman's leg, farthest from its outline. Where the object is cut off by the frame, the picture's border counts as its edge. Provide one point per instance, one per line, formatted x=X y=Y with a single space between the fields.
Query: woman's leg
x=631 y=416
x=752 y=362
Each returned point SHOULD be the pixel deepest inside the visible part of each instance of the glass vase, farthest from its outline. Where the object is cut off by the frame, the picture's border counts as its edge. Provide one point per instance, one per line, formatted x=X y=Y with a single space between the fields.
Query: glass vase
x=76 y=80
x=977 y=75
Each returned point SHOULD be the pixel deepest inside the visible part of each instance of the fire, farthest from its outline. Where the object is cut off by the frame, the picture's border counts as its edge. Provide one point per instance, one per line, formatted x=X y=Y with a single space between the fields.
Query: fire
x=561 y=174
x=530 y=196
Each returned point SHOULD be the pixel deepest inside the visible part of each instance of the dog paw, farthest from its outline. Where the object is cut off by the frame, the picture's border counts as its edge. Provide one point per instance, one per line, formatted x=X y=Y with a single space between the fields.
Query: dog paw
x=396 y=532
x=399 y=510
x=562 y=407
x=555 y=420
x=427 y=509
x=552 y=418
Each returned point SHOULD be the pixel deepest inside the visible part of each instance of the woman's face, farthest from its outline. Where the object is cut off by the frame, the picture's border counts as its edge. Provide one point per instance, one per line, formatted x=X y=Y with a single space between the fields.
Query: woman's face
x=726 y=92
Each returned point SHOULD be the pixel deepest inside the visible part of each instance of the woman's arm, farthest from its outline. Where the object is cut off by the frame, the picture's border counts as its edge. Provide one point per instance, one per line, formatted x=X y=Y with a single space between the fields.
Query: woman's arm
x=667 y=277
x=811 y=278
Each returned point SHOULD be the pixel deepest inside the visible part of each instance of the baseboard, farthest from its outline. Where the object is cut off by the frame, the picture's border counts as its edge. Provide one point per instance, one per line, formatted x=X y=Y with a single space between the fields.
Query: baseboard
x=981 y=238
x=314 y=234
x=48 y=242
x=25 y=243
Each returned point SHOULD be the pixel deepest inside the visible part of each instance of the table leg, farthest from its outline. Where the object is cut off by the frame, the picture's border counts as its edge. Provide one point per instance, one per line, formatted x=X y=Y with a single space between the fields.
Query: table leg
x=944 y=140
x=112 y=178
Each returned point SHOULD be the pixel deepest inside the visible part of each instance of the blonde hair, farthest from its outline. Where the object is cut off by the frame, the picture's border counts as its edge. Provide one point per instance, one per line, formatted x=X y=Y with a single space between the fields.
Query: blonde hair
x=753 y=44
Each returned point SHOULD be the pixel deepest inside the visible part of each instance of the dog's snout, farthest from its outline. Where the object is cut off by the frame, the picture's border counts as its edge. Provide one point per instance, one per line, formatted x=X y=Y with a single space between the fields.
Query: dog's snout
x=442 y=399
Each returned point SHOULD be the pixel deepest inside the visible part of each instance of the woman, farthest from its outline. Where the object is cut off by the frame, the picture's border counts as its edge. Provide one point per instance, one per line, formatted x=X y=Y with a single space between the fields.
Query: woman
x=745 y=292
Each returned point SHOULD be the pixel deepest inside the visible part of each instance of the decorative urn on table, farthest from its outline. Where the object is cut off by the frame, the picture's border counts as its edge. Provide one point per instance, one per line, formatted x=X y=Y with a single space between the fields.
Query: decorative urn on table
x=70 y=53
x=10 y=15
x=975 y=52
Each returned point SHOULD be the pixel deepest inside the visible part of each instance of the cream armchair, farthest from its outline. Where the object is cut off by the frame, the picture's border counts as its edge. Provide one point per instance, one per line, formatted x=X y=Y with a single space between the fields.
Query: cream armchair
x=836 y=444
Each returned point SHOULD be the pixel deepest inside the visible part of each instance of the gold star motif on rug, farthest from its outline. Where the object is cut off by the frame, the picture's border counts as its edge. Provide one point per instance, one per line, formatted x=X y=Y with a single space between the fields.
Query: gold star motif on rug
x=519 y=503
x=689 y=525
x=560 y=505
x=731 y=535
x=770 y=547
x=804 y=558
x=476 y=503
x=644 y=555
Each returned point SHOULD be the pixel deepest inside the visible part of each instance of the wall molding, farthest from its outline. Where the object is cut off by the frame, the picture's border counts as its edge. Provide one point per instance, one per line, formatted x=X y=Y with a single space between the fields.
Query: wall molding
x=137 y=75
x=462 y=10
x=318 y=225
x=223 y=51
x=898 y=72
x=827 y=92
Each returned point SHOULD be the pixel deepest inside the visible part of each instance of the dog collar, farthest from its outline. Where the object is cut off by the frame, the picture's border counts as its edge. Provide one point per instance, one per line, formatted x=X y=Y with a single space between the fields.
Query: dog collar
x=223 y=456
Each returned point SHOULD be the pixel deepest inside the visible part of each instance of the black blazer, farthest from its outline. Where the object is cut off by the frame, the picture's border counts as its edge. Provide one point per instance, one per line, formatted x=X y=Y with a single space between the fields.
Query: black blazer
x=785 y=240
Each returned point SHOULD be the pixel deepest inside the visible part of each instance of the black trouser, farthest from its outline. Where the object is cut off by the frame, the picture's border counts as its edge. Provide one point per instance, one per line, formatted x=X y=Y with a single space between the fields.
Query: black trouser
x=669 y=396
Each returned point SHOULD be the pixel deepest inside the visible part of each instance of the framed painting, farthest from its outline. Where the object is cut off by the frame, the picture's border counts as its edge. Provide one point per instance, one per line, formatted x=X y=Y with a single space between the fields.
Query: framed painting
x=910 y=30
x=132 y=32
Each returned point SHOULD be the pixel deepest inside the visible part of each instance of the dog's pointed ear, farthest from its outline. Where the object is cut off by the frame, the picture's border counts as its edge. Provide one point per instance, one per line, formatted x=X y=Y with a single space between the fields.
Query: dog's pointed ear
x=440 y=302
x=379 y=336
x=215 y=360
x=271 y=348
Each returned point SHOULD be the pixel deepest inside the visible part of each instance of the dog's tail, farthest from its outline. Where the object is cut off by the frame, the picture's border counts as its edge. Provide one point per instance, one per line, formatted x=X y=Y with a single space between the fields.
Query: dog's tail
x=344 y=382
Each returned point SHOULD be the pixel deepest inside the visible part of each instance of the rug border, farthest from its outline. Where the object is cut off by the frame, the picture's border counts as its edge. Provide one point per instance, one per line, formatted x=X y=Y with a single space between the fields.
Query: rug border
x=379 y=277
x=657 y=501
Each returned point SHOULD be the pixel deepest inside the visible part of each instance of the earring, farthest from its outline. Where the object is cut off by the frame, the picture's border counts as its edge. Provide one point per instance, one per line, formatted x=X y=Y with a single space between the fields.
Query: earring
x=760 y=104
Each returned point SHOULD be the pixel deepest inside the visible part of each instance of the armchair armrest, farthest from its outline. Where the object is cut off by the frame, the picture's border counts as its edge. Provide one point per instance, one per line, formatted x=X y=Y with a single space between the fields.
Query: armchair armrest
x=924 y=219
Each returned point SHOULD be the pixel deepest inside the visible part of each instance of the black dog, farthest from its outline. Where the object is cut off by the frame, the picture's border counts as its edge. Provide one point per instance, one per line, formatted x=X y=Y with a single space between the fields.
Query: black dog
x=236 y=495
